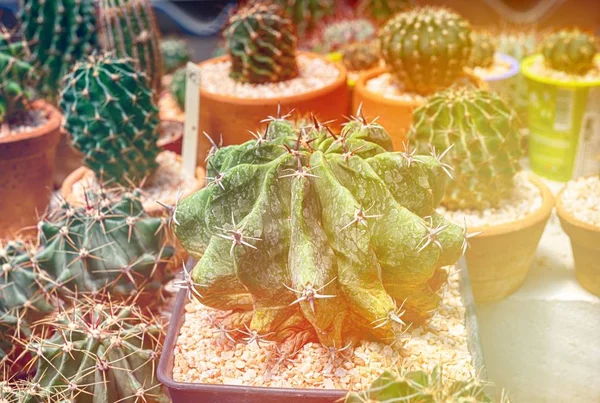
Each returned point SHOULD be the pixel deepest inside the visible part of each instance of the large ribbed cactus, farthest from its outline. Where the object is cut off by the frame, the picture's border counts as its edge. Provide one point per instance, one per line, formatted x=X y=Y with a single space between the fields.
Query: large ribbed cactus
x=318 y=236
x=427 y=48
x=128 y=29
x=484 y=48
x=571 y=51
x=60 y=33
x=100 y=352
x=175 y=54
x=484 y=134
x=113 y=120
x=261 y=43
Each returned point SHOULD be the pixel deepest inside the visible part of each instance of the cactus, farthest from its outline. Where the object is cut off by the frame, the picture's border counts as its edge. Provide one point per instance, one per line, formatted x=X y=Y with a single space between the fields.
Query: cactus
x=13 y=328
x=306 y=14
x=571 y=51
x=484 y=48
x=360 y=56
x=261 y=44
x=60 y=33
x=484 y=134
x=518 y=44
x=17 y=75
x=318 y=236
x=127 y=28
x=175 y=54
x=113 y=121
x=427 y=48
x=338 y=35
x=177 y=87
x=104 y=352
x=382 y=10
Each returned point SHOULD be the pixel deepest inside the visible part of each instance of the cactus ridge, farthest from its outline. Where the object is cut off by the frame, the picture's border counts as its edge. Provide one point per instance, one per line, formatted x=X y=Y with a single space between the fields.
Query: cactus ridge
x=484 y=48
x=112 y=118
x=315 y=236
x=571 y=51
x=486 y=144
x=426 y=48
x=175 y=54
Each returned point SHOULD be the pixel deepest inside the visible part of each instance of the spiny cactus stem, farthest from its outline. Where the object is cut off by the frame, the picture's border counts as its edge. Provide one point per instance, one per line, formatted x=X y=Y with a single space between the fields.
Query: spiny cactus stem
x=237 y=236
x=446 y=167
x=171 y=210
x=260 y=137
x=408 y=154
x=468 y=235
x=431 y=235
x=217 y=179
x=253 y=336
x=361 y=217
x=278 y=116
x=393 y=316
x=214 y=146
x=301 y=172
x=188 y=284
x=350 y=153
x=308 y=293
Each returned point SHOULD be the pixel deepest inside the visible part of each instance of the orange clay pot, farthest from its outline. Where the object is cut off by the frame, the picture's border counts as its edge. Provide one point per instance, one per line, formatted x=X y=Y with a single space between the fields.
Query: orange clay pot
x=395 y=115
x=232 y=117
x=26 y=172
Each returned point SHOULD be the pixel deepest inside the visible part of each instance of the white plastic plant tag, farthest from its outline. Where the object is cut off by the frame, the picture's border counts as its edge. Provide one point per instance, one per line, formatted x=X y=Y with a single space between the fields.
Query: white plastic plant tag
x=189 y=147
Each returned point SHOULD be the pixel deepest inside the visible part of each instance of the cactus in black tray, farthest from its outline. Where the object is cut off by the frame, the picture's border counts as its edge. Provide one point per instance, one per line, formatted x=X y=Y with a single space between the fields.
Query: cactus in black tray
x=128 y=28
x=571 y=51
x=426 y=48
x=177 y=86
x=320 y=236
x=484 y=134
x=175 y=54
x=59 y=33
x=484 y=48
x=113 y=120
x=261 y=43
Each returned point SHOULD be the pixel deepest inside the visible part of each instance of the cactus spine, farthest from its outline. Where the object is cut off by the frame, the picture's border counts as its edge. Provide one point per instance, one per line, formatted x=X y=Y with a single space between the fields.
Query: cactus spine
x=261 y=43
x=175 y=54
x=483 y=132
x=571 y=51
x=427 y=48
x=484 y=48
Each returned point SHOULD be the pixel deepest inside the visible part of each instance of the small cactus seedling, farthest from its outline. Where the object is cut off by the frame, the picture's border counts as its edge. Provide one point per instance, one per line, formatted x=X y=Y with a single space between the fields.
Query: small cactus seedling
x=112 y=118
x=261 y=43
x=313 y=235
x=382 y=10
x=175 y=54
x=484 y=48
x=177 y=86
x=339 y=34
x=426 y=48
x=486 y=144
x=571 y=51
x=361 y=56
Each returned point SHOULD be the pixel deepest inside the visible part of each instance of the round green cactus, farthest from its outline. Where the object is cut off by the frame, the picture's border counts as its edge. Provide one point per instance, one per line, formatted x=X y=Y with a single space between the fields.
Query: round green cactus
x=112 y=118
x=571 y=51
x=340 y=34
x=360 y=56
x=480 y=133
x=261 y=43
x=484 y=48
x=175 y=54
x=306 y=14
x=177 y=86
x=320 y=237
x=383 y=10
x=517 y=43
x=426 y=48
x=60 y=33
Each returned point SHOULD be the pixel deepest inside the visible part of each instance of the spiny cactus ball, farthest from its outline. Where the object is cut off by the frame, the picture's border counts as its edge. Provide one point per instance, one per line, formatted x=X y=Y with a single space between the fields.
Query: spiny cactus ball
x=341 y=33
x=427 y=48
x=571 y=51
x=480 y=133
x=261 y=43
x=360 y=56
x=315 y=236
x=111 y=116
x=517 y=43
x=484 y=48
x=175 y=54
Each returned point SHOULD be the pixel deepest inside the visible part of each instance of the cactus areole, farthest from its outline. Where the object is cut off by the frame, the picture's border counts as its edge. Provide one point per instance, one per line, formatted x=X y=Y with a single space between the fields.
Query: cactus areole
x=313 y=236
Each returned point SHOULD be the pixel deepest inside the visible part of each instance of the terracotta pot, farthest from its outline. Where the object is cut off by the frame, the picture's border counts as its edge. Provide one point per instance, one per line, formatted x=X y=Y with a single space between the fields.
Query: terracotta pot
x=26 y=172
x=499 y=258
x=585 y=243
x=395 y=115
x=232 y=117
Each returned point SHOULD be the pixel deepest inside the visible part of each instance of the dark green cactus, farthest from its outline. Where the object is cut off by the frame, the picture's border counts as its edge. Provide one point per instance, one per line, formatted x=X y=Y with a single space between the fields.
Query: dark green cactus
x=113 y=120
x=175 y=54
x=127 y=28
x=484 y=134
x=60 y=33
x=101 y=352
x=382 y=10
x=361 y=56
x=177 y=87
x=571 y=51
x=484 y=48
x=306 y=14
x=318 y=236
x=339 y=34
x=261 y=43
x=426 y=48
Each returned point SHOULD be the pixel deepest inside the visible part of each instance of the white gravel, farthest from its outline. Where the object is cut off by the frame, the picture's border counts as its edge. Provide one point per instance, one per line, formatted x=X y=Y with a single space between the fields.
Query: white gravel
x=24 y=122
x=498 y=68
x=539 y=67
x=389 y=86
x=314 y=73
x=526 y=199
x=581 y=198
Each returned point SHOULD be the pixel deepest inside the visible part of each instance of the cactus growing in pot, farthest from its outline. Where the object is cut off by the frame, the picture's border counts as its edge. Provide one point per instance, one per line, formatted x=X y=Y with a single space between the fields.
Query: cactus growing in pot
x=360 y=56
x=382 y=10
x=175 y=54
x=571 y=51
x=484 y=48
x=339 y=34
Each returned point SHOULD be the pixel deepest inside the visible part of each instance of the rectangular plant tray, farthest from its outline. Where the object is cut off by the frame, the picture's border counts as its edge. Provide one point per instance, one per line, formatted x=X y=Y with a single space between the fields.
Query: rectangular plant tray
x=197 y=392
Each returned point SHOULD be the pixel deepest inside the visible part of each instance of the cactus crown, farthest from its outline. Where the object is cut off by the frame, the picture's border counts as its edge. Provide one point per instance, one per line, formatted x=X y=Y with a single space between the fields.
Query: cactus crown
x=484 y=134
x=175 y=54
x=59 y=34
x=317 y=236
x=427 y=48
x=110 y=114
x=261 y=43
x=339 y=34
x=382 y=10
x=571 y=51
x=360 y=56
x=484 y=48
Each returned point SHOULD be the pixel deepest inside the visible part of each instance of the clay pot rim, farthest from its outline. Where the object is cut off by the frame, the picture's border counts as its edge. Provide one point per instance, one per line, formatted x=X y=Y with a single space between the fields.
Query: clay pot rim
x=339 y=81
x=564 y=215
x=53 y=124
x=540 y=215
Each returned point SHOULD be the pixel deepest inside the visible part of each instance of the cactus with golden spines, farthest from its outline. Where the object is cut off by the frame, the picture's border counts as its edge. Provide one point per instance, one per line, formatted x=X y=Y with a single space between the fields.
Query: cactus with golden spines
x=571 y=51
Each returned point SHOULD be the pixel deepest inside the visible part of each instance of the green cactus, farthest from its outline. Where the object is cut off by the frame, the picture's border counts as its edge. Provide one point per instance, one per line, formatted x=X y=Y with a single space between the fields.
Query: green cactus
x=338 y=35
x=382 y=10
x=484 y=48
x=426 y=48
x=261 y=43
x=484 y=134
x=97 y=351
x=60 y=33
x=571 y=51
x=127 y=28
x=175 y=54
x=177 y=87
x=361 y=56
x=318 y=236
x=13 y=329
x=517 y=43
x=17 y=75
x=113 y=120
x=307 y=14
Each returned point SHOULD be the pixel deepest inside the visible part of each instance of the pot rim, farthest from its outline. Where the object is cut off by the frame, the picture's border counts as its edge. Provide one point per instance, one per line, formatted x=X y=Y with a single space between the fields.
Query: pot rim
x=339 y=81
x=513 y=70
x=527 y=63
x=563 y=214
x=53 y=123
